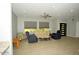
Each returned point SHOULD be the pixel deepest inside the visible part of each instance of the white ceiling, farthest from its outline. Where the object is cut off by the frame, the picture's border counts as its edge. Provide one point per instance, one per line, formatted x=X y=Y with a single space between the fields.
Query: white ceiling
x=34 y=10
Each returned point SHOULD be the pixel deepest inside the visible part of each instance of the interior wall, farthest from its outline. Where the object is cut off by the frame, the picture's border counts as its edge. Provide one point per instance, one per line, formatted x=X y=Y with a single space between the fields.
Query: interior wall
x=20 y=24
x=52 y=23
x=60 y=20
x=77 y=29
x=14 y=25
x=73 y=26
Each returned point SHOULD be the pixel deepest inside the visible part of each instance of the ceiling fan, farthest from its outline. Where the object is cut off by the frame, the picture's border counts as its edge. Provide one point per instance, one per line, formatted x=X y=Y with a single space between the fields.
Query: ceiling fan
x=45 y=15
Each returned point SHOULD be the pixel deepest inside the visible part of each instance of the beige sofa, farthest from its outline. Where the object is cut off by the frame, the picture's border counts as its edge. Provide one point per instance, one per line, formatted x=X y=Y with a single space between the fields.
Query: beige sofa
x=42 y=33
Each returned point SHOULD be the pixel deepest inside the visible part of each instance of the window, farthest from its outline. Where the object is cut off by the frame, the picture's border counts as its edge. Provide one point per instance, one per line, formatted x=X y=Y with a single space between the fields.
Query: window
x=30 y=25
x=43 y=25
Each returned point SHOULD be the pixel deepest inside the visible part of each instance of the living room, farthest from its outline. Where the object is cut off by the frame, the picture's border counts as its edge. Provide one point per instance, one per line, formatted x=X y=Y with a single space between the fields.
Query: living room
x=38 y=17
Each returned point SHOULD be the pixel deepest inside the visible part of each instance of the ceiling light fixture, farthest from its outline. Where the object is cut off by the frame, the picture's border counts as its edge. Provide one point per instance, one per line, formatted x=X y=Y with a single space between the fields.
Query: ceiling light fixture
x=45 y=15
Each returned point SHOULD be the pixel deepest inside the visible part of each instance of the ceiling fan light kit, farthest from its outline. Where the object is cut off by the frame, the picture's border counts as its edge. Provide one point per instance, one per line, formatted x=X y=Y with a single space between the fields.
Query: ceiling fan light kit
x=45 y=15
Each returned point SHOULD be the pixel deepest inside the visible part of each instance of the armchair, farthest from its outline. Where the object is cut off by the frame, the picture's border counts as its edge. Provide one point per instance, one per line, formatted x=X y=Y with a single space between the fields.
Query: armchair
x=56 y=35
x=31 y=37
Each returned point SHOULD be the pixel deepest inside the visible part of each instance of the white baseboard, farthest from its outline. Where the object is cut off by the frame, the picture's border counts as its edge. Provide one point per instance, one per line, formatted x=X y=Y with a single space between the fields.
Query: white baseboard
x=73 y=36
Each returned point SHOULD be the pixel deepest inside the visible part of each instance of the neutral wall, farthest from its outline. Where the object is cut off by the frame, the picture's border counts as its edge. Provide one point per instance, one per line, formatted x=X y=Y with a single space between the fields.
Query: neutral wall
x=71 y=27
x=77 y=29
x=20 y=24
x=14 y=25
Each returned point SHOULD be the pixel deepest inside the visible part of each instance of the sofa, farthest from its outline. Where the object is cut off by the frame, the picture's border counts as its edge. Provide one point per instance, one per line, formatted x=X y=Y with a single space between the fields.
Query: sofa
x=41 y=33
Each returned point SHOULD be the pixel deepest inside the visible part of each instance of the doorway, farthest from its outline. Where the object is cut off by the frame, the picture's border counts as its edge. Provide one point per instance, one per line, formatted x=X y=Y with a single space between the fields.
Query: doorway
x=63 y=29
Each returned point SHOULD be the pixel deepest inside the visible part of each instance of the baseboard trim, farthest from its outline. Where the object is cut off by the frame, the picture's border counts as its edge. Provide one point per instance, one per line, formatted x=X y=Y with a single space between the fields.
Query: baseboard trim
x=73 y=37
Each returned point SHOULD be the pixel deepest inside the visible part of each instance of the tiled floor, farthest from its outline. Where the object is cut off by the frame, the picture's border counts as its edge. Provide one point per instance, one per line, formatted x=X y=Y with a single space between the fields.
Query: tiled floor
x=64 y=46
